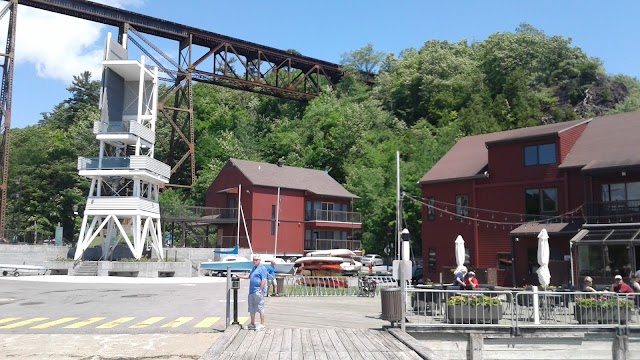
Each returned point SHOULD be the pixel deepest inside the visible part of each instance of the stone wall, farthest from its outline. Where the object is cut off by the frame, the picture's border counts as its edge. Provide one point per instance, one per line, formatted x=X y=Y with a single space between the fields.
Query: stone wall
x=31 y=254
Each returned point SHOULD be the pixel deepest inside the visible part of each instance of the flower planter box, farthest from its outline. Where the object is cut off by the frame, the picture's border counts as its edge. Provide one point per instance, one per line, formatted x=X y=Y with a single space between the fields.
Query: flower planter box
x=469 y=314
x=601 y=316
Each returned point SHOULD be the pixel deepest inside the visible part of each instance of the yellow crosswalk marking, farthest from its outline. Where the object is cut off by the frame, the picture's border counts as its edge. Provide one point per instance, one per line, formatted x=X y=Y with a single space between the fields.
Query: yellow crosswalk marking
x=54 y=323
x=243 y=319
x=145 y=323
x=22 y=323
x=6 y=320
x=115 y=323
x=207 y=322
x=177 y=322
x=84 y=323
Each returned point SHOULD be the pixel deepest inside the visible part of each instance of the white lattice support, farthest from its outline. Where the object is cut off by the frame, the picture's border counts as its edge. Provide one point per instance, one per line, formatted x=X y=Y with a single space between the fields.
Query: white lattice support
x=158 y=240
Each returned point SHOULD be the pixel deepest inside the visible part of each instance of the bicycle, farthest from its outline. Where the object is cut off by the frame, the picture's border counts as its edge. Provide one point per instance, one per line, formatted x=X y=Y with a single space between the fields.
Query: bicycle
x=367 y=287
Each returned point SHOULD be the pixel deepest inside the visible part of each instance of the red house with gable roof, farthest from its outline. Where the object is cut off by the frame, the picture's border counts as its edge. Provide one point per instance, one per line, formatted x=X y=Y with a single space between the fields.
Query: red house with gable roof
x=301 y=209
x=580 y=180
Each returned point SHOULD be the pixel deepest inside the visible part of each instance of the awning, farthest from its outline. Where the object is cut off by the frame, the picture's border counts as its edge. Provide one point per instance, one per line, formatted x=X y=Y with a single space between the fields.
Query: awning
x=608 y=236
x=533 y=229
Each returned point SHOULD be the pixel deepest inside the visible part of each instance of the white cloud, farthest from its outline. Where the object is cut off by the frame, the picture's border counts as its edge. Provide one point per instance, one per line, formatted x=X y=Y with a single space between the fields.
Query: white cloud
x=59 y=46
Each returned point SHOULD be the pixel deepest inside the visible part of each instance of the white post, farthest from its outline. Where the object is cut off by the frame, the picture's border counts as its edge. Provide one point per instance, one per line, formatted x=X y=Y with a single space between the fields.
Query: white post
x=536 y=309
x=571 y=261
x=275 y=247
x=398 y=209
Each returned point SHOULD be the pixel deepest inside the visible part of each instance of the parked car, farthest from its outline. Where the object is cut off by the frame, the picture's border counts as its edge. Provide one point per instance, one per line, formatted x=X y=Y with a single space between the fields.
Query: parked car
x=374 y=259
x=418 y=277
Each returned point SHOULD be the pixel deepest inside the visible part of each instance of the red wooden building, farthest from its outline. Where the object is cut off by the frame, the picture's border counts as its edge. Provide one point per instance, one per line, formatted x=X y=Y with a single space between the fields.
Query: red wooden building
x=579 y=179
x=300 y=209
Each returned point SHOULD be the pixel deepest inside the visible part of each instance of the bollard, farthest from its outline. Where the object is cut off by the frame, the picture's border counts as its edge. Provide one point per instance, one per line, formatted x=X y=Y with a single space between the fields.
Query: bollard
x=235 y=285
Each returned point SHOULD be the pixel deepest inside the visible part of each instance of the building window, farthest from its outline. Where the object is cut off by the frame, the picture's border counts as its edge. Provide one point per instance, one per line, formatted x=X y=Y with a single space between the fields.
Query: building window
x=273 y=219
x=540 y=155
x=431 y=212
x=462 y=206
x=540 y=201
x=431 y=260
x=621 y=192
x=504 y=261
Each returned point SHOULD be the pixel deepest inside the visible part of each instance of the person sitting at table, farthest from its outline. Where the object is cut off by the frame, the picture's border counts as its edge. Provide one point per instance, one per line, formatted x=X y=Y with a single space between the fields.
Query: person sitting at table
x=635 y=283
x=620 y=286
x=588 y=285
x=458 y=281
x=471 y=282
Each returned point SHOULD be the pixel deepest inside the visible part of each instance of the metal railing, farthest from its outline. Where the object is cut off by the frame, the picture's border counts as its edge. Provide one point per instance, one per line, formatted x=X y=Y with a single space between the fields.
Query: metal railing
x=328 y=244
x=613 y=211
x=298 y=285
x=197 y=213
x=333 y=216
x=521 y=309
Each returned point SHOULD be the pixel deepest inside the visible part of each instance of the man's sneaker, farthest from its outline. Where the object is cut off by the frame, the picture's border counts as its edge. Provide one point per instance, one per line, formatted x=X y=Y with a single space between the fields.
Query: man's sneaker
x=260 y=327
x=249 y=327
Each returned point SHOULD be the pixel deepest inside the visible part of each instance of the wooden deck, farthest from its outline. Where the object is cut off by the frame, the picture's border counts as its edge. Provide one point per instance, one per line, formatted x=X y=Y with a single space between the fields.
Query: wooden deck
x=316 y=344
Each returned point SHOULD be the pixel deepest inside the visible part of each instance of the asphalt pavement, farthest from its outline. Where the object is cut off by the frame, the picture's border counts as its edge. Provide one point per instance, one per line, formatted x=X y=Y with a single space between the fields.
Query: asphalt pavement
x=281 y=312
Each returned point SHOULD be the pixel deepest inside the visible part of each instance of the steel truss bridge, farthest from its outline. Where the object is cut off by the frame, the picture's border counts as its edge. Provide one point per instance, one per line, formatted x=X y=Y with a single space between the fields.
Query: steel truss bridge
x=203 y=56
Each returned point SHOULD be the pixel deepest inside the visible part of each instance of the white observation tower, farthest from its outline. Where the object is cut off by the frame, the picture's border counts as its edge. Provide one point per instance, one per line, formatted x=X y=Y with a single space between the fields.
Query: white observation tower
x=122 y=205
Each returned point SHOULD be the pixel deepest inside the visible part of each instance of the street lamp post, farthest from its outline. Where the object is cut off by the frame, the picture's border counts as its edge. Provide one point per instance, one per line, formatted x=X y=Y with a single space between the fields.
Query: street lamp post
x=75 y=215
x=406 y=240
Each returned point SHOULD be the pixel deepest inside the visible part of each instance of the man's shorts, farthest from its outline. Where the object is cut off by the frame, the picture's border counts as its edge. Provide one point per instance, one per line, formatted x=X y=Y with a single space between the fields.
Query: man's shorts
x=256 y=303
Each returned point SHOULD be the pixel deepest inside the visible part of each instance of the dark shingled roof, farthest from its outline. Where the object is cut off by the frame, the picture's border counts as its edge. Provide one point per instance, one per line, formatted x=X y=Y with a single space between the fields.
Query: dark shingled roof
x=271 y=175
x=469 y=156
x=552 y=228
x=608 y=142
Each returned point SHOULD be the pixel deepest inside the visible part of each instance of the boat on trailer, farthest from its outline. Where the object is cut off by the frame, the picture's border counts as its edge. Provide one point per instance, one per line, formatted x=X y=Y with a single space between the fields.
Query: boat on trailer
x=17 y=270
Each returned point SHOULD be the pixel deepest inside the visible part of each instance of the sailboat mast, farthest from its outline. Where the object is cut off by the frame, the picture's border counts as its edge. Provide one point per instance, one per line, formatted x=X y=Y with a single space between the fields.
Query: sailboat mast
x=244 y=222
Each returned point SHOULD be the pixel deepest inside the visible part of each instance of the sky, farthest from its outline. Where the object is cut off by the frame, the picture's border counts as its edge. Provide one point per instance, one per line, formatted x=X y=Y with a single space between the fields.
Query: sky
x=52 y=48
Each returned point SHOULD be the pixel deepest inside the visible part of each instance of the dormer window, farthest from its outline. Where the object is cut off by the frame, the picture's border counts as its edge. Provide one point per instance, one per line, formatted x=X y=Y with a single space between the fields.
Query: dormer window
x=540 y=155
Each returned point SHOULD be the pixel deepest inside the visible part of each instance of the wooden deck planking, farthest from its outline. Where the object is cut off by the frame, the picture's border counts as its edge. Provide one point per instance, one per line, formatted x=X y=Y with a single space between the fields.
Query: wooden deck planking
x=387 y=344
x=317 y=344
x=286 y=346
x=346 y=341
x=277 y=341
x=306 y=341
x=296 y=341
x=315 y=340
x=254 y=347
x=364 y=336
x=327 y=344
x=337 y=344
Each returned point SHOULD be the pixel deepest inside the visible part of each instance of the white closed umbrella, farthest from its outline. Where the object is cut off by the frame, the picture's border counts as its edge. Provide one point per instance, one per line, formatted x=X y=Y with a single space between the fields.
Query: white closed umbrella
x=460 y=255
x=544 y=277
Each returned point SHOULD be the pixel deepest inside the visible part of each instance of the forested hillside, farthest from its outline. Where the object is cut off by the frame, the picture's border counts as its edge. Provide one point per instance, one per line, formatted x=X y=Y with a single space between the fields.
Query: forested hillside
x=424 y=100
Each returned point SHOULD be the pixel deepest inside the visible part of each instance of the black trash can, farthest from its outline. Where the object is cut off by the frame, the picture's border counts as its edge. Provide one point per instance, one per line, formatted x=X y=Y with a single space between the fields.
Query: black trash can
x=391 y=304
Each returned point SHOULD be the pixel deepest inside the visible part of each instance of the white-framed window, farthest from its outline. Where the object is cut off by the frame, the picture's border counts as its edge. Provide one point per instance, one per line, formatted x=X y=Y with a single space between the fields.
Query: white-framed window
x=462 y=206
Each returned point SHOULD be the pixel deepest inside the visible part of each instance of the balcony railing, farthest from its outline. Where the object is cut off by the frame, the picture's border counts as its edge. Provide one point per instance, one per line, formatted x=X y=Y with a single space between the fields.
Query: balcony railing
x=333 y=216
x=328 y=244
x=136 y=162
x=198 y=213
x=125 y=127
x=613 y=211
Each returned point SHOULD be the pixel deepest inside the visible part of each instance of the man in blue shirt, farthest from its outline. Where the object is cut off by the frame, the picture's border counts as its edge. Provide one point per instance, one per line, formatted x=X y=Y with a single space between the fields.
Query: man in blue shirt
x=271 y=278
x=257 y=289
